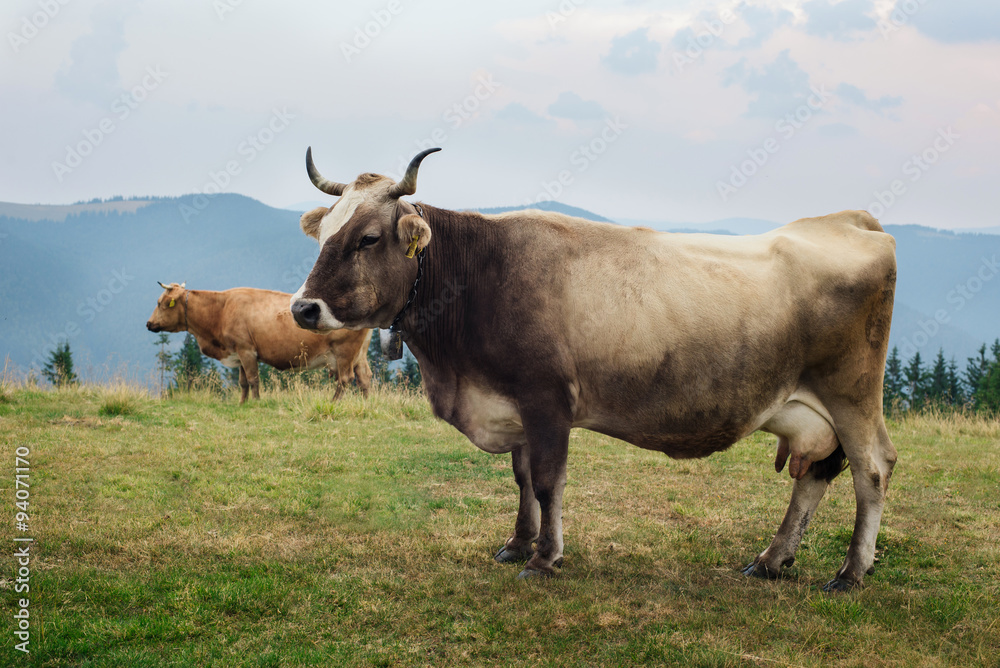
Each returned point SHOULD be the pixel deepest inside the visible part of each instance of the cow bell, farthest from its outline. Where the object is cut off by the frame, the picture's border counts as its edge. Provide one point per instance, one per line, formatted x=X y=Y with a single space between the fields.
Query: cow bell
x=391 y=343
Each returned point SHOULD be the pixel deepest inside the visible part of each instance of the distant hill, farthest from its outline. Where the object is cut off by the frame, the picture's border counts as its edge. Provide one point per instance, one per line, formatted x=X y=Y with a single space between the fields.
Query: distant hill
x=551 y=206
x=87 y=273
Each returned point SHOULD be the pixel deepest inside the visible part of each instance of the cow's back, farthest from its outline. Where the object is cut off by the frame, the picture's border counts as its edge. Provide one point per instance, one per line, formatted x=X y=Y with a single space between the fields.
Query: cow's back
x=685 y=342
x=261 y=320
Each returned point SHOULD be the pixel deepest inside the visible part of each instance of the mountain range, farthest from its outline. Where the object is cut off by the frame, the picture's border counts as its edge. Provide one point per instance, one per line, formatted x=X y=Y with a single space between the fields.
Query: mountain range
x=87 y=273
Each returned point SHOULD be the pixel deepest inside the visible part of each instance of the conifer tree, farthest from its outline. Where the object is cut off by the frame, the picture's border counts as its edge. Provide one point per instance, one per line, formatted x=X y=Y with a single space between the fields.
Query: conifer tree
x=937 y=386
x=915 y=377
x=59 y=369
x=892 y=389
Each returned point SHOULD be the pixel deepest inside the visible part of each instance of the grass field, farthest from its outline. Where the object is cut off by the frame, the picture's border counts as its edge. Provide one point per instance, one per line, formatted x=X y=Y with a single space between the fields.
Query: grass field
x=293 y=531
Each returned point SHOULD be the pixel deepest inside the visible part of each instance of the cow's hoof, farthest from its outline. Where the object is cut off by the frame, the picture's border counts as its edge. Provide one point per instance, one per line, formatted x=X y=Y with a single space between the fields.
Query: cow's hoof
x=757 y=569
x=839 y=584
x=516 y=555
x=531 y=573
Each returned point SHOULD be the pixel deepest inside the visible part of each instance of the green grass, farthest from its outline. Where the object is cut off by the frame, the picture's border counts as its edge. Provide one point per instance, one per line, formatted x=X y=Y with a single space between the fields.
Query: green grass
x=295 y=531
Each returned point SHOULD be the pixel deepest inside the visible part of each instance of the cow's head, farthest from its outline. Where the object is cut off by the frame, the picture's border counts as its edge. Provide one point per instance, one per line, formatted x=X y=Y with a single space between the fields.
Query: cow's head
x=170 y=314
x=368 y=240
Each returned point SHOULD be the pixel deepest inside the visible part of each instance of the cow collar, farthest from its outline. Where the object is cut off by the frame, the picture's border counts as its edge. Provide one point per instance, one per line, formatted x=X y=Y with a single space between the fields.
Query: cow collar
x=395 y=327
x=187 y=296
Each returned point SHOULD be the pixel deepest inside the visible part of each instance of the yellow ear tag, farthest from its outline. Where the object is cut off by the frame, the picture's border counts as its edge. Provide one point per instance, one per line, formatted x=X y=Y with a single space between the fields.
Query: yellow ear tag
x=171 y=304
x=413 y=247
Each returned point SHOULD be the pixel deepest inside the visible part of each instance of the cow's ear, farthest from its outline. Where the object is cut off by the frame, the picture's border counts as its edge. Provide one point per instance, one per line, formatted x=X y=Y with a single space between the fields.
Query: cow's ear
x=311 y=220
x=414 y=232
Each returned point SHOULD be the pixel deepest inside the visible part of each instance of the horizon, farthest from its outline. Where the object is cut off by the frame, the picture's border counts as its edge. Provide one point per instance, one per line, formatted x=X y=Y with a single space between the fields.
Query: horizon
x=296 y=207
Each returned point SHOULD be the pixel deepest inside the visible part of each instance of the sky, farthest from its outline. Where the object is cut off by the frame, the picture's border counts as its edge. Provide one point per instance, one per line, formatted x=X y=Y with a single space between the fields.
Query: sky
x=639 y=111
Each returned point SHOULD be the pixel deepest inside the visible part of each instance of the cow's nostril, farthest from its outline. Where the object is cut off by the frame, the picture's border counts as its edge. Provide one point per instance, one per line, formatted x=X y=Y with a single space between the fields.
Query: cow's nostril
x=306 y=313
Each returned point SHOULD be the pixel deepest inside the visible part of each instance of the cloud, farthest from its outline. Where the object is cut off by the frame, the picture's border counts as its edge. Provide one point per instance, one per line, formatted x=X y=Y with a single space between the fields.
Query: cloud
x=837 y=130
x=92 y=74
x=517 y=113
x=632 y=53
x=762 y=22
x=856 y=96
x=777 y=88
x=841 y=21
x=572 y=106
x=952 y=22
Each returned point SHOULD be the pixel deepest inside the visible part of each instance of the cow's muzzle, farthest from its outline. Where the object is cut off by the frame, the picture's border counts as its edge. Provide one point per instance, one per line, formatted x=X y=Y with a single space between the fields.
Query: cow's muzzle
x=306 y=313
x=151 y=327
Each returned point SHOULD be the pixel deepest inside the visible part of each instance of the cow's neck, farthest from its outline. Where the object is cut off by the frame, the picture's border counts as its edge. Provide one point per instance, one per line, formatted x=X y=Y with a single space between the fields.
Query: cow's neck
x=457 y=268
x=203 y=307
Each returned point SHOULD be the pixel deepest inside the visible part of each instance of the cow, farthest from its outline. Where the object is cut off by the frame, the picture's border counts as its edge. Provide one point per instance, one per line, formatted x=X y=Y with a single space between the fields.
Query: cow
x=679 y=343
x=242 y=326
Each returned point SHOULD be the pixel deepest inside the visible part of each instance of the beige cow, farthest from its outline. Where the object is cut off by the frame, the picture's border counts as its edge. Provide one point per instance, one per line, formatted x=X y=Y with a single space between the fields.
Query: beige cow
x=680 y=343
x=242 y=326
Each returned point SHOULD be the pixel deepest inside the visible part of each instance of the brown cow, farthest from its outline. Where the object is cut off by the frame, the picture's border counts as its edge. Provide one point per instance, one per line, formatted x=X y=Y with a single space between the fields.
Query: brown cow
x=681 y=343
x=238 y=327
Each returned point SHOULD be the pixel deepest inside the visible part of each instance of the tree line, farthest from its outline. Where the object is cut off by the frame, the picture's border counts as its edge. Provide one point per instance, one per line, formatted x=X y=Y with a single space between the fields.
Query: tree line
x=913 y=385
x=909 y=385
x=189 y=369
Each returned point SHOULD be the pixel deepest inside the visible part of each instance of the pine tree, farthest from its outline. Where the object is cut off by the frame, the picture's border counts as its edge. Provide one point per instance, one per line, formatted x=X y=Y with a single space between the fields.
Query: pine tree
x=188 y=363
x=987 y=396
x=975 y=370
x=892 y=390
x=59 y=369
x=163 y=358
x=955 y=395
x=377 y=361
x=937 y=387
x=916 y=378
x=411 y=370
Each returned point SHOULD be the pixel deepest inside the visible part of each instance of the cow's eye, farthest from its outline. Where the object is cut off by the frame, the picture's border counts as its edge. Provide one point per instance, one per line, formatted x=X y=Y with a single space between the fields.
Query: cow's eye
x=368 y=240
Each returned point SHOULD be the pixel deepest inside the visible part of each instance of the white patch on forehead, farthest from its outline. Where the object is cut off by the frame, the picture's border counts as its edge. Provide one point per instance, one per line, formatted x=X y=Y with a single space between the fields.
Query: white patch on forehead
x=341 y=213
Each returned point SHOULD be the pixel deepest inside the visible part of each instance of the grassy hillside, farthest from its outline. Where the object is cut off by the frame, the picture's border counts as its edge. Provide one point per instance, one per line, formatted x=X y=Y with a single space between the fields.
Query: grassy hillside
x=296 y=532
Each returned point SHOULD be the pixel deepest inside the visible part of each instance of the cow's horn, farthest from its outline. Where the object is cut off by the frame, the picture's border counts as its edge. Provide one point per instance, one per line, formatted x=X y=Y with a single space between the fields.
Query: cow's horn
x=408 y=185
x=327 y=186
x=162 y=285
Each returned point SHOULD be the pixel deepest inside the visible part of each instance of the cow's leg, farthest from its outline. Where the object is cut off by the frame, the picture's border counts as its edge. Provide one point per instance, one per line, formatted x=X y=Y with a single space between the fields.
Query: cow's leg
x=872 y=456
x=519 y=546
x=806 y=495
x=248 y=366
x=548 y=445
x=363 y=375
x=345 y=374
x=816 y=460
x=244 y=385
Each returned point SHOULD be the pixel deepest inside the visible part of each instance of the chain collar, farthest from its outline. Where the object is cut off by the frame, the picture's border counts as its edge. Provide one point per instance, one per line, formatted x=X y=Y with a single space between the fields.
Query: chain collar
x=395 y=327
x=187 y=295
